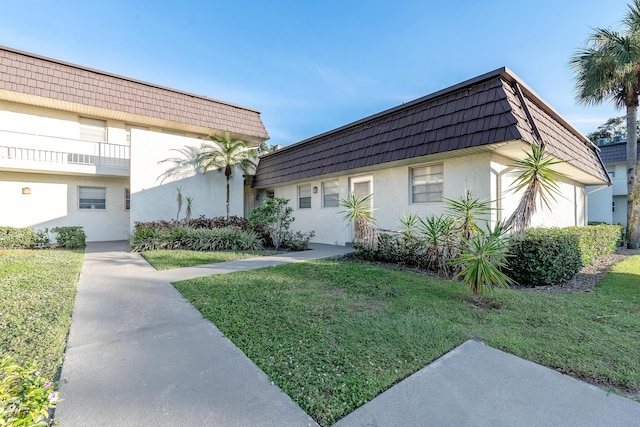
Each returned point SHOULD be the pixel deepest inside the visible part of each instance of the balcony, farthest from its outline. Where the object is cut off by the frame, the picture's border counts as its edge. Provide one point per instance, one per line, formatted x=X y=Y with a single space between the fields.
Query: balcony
x=39 y=153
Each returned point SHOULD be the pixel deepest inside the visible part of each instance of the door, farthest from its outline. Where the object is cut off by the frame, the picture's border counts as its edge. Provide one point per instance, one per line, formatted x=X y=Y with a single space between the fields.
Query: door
x=360 y=187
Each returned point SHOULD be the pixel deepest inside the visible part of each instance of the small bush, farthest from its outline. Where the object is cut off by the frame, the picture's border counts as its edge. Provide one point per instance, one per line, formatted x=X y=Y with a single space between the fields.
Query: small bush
x=25 y=396
x=271 y=221
x=298 y=241
x=12 y=237
x=70 y=237
x=544 y=256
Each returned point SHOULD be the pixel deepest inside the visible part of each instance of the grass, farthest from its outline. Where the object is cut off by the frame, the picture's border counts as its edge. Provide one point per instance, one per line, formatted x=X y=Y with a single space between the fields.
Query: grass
x=334 y=334
x=166 y=259
x=37 y=290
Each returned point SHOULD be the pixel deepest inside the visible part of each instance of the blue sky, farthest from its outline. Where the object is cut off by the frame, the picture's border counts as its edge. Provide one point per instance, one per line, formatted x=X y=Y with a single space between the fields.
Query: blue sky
x=311 y=66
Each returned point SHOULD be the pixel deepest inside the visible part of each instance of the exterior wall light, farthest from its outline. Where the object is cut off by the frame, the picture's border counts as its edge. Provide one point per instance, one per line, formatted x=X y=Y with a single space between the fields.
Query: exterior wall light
x=26 y=190
x=315 y=190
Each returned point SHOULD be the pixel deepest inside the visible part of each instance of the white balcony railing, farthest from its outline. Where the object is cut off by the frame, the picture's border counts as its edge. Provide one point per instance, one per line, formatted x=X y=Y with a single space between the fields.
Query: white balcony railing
x=26 y=147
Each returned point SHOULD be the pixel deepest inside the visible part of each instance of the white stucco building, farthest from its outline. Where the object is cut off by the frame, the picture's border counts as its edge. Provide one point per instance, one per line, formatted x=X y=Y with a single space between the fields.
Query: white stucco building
x=82 y=147
x=609 y=204
x=414 y=155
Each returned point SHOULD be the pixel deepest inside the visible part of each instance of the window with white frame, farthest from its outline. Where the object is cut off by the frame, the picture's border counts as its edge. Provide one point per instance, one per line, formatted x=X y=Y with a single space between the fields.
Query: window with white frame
x=127 y=199
x=330 y=193
x=304 y=196
x=92 y=198
x=93 y=130
x=426 y=183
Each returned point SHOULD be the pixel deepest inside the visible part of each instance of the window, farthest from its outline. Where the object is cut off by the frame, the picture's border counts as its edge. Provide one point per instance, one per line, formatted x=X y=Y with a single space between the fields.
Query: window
x=330 y=194
x=612 y=173
x=92 y=198
x=304 y=196
x=426 y=183
x=127 y=198
x=93 y=130
x=271 y=194
x=613 y=206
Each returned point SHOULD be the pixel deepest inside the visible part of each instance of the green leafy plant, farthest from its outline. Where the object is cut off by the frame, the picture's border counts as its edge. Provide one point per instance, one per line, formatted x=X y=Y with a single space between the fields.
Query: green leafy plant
x=483 y=259
x=70 y=237
x=14 y=237
x=539 y=181
x=25 y=396
x=272 y=220
x=200 y=239
x=544 y=256
x=440 y=236
x=467 y=210
x=359 y=211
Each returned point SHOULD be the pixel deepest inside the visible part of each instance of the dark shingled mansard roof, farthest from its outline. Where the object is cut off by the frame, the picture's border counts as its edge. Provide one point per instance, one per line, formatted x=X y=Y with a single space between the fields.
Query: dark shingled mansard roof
x=615 y=153
x=60 y=85
x=490 y=109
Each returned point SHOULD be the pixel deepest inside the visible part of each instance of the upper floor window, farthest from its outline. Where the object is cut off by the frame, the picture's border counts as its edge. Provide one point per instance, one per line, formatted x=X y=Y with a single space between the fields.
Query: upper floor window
x=304 y=196
x=127 y=199
x=330 y=193
x=94 y=130
x=426 y=183
x=92 y=198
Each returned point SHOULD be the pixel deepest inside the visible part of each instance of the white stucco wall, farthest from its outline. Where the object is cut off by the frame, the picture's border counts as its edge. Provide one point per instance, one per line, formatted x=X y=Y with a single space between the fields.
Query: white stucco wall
x=601 y=202
x=568 y=209
x=391 y=189
x=54 y=195
x=487 y=176
x=54 y=202
x=153 y=199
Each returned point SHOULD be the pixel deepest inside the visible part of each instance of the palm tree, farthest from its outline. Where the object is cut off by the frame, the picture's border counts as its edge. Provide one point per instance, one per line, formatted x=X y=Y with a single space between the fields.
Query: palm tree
x=609 y=69
x=222 y=153
x=538 y=181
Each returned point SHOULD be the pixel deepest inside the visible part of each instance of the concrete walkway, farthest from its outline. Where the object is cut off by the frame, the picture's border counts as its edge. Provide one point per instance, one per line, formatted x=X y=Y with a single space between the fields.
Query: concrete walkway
x=140 y=355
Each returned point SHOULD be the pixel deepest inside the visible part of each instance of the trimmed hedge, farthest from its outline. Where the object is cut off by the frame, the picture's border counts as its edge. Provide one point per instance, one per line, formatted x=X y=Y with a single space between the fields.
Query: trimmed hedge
x=70 y=237
x=547 y=256
x=597 y=240
x=13 y=238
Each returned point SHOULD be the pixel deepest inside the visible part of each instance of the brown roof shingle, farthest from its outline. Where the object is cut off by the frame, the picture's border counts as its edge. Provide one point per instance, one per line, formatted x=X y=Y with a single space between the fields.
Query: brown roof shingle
x=44 y=77
x=479 y=112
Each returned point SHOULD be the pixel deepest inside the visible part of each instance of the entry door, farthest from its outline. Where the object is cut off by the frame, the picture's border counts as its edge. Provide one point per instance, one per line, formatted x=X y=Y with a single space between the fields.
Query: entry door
x=360 y=187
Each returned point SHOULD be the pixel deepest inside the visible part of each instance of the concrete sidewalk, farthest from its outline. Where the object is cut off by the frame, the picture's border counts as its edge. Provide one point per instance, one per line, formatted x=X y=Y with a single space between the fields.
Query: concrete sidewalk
x=140 y=355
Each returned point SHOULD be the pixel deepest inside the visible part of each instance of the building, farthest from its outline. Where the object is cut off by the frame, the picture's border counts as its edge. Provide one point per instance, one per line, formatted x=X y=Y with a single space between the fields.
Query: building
x=609 y=204
x=412 y=156
x=82 y=147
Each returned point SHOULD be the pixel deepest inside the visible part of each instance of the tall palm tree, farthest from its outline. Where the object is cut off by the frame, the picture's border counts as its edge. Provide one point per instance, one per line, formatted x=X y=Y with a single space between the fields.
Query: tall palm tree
x=609 y=69
x=222 y=153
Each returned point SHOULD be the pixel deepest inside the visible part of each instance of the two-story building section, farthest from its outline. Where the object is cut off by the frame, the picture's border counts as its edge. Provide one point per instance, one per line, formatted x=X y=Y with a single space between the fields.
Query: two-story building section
x=84 y=147
x=609 y=204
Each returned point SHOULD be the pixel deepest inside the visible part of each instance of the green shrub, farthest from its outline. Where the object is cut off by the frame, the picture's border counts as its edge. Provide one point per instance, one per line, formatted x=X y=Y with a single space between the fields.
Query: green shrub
x=272 y=220
x=25 y=396
x=70 y=237
x=148 y=238
x=298 y=241
x=12 y=237
x=597 y=240
x=544 y=256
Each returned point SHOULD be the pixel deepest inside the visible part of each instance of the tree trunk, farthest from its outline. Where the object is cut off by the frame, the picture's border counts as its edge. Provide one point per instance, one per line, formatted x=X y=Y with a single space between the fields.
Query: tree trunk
x=228 y=197
x=633 y=184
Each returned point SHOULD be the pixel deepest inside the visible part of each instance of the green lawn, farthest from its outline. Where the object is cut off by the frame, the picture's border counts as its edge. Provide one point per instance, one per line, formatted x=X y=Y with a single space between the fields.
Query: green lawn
x=37 y=290
x=163 y=260
x=334 y=334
